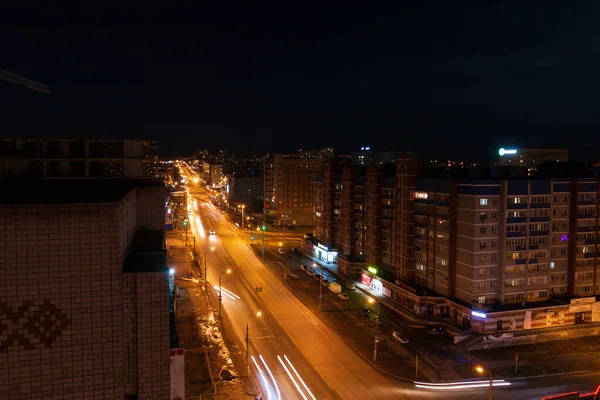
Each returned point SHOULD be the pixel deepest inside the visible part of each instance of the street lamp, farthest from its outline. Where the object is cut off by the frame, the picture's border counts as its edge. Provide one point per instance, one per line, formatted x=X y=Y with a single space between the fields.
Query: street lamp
x=258 y=314
x=221 y=290
x=242 y=206
x=481 y=370
x=376 y=341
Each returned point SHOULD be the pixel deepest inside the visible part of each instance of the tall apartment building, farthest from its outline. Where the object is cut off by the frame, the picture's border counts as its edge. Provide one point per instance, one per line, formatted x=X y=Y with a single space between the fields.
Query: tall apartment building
x=449 y=242
x=289 y=186
x=84 y=290
x=366 y=157
x=75 y=158
x=530 y=158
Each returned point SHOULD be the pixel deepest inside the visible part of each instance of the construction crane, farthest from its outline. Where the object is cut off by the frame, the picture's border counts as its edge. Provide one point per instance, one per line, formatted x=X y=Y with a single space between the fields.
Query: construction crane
x=23 y=82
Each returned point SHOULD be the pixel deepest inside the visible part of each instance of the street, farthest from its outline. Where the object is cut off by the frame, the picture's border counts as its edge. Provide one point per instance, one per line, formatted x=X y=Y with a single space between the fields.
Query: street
x=324 y=366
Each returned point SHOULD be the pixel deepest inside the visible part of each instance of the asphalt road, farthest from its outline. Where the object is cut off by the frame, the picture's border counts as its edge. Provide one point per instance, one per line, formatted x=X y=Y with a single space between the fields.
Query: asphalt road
x=327 y=366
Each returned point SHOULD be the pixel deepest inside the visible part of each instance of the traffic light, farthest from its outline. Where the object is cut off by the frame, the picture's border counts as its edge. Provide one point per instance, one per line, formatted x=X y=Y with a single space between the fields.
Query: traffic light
x=185 y=222
x=252 y=237
x=264 y=228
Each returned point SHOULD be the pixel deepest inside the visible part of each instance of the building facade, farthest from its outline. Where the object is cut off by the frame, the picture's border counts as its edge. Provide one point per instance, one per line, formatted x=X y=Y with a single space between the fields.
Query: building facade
x=480 y=239
x=530 y=158
x=74 y=158
x=84 y=290
x=289 y=186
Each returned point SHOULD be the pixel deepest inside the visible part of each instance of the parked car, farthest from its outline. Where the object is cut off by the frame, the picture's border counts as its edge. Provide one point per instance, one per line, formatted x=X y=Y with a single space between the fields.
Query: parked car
x=281 y=251
x=212 y=232
x=310 y=272
x=397 y=336
x=350 y=286
x=294 y=249
x=434 y=330
x=304 y=267
x=343 y=296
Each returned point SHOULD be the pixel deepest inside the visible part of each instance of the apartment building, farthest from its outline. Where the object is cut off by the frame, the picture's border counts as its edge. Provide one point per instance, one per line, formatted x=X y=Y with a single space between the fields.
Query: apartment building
x=75 y=158
x=289 y=186
x=530 y=159
x=450 y=242
x=84 y=290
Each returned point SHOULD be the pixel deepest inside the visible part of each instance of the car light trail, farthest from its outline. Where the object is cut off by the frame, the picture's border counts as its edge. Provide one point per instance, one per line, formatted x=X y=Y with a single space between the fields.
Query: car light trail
x=195 y=205
x=287 y=371
x=227 y=293
x=461 y=385
x=263 y=376
x=200 y=227
x=271 y=375
x=299 y=377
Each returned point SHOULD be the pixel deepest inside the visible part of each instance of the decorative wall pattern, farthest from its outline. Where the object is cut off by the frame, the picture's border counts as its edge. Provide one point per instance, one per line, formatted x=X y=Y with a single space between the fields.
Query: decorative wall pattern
x=29 y=325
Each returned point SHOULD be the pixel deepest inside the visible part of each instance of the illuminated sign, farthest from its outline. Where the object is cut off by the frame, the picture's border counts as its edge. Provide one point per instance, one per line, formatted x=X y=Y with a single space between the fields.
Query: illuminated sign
x=377 y=286
x=421 y=195
x=372 y=270
x=478 y=314
x=322 y=246
x=504 y=151
x=366 y=280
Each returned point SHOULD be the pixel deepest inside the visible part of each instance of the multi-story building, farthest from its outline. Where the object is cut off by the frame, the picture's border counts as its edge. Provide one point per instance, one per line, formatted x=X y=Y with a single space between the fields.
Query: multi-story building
x=289 y=186
x=531 y=158
x=75 y=158
x=211 y=173
x=366 y=157
x=84 y=290
x=451 y=241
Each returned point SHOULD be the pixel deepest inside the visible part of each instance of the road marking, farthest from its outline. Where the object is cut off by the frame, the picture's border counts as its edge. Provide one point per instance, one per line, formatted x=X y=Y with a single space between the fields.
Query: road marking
x=310 y=318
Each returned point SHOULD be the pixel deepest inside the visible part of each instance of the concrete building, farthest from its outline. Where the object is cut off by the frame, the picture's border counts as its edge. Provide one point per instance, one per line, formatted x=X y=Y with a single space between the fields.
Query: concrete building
x=289 y=186
x=84 y=290
x=366 y=157
x=451 y=242
x=530 y=158
x=75 y=158
x=212 y=173
x=244 y=182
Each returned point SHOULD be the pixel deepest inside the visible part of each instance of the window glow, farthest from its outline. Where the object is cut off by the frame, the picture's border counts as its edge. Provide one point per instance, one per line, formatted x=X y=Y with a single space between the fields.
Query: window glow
x=421 y=195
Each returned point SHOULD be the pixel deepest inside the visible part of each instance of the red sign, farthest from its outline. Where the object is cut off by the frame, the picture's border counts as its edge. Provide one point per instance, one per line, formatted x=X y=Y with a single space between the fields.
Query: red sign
x=366 y=280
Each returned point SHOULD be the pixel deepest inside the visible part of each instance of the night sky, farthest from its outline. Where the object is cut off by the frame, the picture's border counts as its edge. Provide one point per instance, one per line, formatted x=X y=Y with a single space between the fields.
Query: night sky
x=448 y=80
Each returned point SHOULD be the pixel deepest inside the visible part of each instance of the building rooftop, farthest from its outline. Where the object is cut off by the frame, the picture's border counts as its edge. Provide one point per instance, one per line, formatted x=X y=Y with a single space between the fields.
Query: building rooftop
x=68 y=191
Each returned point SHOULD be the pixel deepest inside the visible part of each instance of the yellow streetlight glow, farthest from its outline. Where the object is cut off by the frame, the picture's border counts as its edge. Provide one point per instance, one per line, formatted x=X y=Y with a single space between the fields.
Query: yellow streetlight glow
x=280 y=244
x=228 y=271
x=212 y=248
x=479 y=369
x=258 y=314
x=371 y=301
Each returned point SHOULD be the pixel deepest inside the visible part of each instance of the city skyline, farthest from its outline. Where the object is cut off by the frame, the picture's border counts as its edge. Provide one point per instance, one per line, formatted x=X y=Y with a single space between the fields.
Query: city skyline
x=397 y=77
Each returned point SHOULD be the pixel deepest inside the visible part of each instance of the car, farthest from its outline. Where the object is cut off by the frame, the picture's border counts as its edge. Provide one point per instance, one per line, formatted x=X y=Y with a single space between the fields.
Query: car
x=281 y=251
x=434 y=330
x=317 y=275
x=310 y=272
x=350 y=286
x=343 y=296
x=397 y=336
x=294 y=249
x=303 y=267
x=223 y=212
x=212 y=232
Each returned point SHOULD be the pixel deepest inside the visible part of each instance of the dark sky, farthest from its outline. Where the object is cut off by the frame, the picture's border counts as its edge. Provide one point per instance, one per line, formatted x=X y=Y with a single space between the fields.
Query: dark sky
x=446 y=79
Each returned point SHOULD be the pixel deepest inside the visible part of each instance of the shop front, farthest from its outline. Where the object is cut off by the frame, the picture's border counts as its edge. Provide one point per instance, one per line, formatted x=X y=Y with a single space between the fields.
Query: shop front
x=324 y=253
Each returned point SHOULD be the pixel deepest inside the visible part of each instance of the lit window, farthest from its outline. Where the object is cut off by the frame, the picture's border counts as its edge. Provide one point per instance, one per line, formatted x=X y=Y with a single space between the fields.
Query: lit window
x=421 y=195
x=483 y=202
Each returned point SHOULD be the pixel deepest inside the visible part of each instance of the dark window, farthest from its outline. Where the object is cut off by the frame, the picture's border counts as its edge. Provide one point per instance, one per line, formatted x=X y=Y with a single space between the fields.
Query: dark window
x=78 y=169
x=36 y=169
x=52 y=149
x=53 y=169
x=77 y=149
x=114 y=168
x=97 y=169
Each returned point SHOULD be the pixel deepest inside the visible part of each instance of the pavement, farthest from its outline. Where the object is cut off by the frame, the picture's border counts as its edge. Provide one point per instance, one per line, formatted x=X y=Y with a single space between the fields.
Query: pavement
x=207 y=346
x=330 y=366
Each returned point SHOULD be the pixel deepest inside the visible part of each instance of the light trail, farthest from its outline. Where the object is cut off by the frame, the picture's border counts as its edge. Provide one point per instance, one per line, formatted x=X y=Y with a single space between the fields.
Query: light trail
x=199 y=227
x=299 y=377
x=272 y=377
x=461 y=385
x=195 y=205
x=227 y=293
x=287 y=371
x=263 y=376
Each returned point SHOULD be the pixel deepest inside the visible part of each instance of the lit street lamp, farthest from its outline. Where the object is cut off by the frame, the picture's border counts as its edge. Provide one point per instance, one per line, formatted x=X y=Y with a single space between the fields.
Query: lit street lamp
x=258 y=314
x=376 y=341
x=481 y=370
x=242 y=206
x=221 y=290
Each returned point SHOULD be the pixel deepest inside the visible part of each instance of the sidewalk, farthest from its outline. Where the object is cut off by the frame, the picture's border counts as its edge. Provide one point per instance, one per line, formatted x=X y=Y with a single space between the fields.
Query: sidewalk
x=211 y=354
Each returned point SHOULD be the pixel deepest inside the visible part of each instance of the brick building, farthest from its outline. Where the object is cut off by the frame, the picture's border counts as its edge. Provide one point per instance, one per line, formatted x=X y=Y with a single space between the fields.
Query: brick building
x=289 y=186
x=449 y=242
x=84 y=290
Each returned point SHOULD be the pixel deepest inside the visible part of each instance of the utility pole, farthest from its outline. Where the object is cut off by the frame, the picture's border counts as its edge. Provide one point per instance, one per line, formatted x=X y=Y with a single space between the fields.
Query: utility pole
x=491 y=383
x=321 y=289
x=243 y=216
x=376 y=334
x=263 y=244
x=416 y=366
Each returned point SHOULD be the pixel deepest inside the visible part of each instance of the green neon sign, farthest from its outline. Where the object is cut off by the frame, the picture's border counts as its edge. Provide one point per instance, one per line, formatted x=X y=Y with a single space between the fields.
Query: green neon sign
x=372 y=270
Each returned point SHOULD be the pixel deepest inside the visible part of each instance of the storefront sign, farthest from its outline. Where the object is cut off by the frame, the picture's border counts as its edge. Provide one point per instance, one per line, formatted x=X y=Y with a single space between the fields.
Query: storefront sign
x=322 y=246
x=372 y=270
x=584 y=300
x=580 y=308
x=366 y=280
x=479 y=314
x=377 y=285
